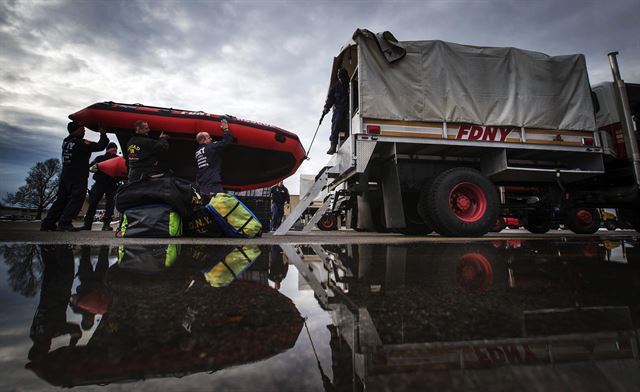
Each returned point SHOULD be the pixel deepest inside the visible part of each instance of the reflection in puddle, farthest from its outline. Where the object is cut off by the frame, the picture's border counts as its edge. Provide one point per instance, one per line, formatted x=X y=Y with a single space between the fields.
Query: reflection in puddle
x=162 y=313
x=397 y=315
x=406 y=312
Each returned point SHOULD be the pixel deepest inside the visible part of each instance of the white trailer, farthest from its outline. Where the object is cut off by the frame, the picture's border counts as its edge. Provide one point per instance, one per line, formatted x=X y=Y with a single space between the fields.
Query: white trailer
x=451 y=138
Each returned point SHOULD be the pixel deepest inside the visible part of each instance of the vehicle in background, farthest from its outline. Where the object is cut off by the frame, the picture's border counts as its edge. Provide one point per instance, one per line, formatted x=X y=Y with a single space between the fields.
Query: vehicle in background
x=15 y=217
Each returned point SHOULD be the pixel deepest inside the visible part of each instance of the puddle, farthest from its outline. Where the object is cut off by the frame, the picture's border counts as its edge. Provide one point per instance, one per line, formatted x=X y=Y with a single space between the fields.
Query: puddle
x=461 y=316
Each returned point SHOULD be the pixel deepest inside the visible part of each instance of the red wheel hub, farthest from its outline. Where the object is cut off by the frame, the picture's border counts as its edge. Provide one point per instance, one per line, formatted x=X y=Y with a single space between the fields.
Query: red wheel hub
x=584 y=217
x=463 y=203
x=327 y=222
x=468 y=202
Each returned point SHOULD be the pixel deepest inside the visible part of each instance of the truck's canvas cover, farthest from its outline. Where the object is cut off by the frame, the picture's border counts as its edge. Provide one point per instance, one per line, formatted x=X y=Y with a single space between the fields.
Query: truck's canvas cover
x=442 y=81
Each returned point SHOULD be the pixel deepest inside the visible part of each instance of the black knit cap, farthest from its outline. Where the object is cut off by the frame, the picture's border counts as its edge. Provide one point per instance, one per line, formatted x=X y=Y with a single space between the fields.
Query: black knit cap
x=112 y=145
x=72 y=126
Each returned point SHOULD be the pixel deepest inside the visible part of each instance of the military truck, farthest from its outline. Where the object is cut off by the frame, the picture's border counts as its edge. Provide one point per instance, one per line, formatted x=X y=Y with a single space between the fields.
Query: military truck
x=450 y=137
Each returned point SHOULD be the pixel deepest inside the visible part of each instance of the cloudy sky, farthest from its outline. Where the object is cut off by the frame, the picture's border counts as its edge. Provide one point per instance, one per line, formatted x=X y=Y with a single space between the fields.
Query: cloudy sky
x=266 y=61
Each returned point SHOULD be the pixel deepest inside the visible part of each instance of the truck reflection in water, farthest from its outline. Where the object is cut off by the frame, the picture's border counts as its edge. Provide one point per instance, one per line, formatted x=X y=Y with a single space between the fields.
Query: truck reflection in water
x=455 y=316
x=166 y=310
x=481 y=315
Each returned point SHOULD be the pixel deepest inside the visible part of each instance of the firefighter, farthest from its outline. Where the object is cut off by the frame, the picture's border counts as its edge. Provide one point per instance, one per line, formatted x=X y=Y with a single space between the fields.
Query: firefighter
x=72 y=188
x=279 y=196
x=104 y=185
x=278 y=267
x=50 y=319
x=338 y=98
x=209 y=162
x=144 y=154
x=92 y=294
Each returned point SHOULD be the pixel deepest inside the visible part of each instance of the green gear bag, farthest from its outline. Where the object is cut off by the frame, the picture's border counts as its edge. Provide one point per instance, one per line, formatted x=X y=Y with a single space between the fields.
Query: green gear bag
x=233 y=217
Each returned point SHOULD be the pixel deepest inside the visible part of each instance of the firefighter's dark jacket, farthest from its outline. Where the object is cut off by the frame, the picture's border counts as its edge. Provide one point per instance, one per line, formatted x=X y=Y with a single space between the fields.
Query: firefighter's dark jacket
x=143 y=154
x=209 y=162
x=76 y=153
x=338 y=96
x=100 y=176
x=279 y=195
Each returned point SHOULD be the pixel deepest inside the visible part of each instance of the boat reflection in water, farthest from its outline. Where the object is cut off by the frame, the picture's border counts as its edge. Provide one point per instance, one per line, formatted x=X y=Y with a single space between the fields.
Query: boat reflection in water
x=167 y=310
x=477 y=316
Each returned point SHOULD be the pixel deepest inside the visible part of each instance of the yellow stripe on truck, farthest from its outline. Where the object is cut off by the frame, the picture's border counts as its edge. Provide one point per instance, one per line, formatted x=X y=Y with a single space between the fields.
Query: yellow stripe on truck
x=411 y=134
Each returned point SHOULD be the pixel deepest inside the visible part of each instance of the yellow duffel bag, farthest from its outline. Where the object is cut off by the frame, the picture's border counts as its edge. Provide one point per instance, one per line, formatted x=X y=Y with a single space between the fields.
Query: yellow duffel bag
x=233 y=217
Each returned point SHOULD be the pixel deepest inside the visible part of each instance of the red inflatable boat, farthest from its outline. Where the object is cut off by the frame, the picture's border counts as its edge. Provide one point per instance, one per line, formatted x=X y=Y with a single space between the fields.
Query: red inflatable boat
x=260 y=156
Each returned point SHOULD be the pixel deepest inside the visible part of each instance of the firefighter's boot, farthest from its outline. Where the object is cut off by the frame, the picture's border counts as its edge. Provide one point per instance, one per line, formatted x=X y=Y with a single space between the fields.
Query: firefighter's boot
x=332 y=149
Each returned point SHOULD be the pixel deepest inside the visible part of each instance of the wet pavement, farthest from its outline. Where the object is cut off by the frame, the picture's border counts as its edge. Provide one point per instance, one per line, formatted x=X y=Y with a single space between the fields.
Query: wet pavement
x=560 y=313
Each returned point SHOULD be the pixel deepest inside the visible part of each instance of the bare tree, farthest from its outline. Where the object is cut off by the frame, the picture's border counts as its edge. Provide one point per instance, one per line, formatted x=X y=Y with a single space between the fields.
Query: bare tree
x=40 y=188
x=25 y=268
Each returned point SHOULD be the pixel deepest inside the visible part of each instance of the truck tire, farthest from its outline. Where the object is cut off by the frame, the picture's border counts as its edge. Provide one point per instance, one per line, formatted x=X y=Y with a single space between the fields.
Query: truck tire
x=583 y=220
x=538 y=222
x=538 y=227
x=462 y=202
x=415 y=225
x=328 y=222
x=422 y=207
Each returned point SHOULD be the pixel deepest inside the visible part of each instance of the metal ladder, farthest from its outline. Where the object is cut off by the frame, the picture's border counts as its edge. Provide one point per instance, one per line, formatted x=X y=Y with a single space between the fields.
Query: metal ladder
x=339 y=163
x=318 y=186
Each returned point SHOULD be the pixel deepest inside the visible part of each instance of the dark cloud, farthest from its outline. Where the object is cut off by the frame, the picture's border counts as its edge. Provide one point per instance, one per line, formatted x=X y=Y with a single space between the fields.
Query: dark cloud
x=20 y=149
x=23 y=145
x=27 y=119
x=271 y=59
x=14 y=51
x=138 y=32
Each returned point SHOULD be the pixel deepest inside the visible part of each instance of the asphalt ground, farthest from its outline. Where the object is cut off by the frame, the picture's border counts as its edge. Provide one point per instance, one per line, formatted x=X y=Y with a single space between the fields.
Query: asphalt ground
x=28 y=232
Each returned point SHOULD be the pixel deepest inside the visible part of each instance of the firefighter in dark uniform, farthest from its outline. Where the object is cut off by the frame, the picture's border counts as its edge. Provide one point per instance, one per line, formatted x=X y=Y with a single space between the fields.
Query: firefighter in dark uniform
x=338 y=98
x=279 y=196
x=92 y=294
x=145 y=155
x=278 y=267
x=104 y=185
x=72 y=188
x=50 y=320
x=209 y=162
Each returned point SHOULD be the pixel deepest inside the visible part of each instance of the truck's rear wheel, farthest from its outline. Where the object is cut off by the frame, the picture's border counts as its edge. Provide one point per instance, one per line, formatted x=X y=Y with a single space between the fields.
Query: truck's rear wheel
x=538 y=222
x=328 y=222
x=414 y=222
x=422 y=207
x=583 y=220
x=462 y=202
